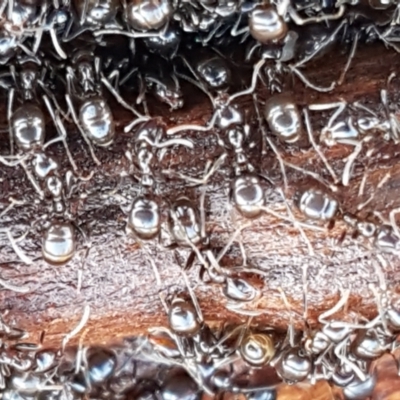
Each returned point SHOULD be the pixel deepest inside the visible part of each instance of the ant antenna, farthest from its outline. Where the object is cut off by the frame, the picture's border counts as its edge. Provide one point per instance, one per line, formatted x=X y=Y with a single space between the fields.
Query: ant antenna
x=296 y=224
x=270 y=142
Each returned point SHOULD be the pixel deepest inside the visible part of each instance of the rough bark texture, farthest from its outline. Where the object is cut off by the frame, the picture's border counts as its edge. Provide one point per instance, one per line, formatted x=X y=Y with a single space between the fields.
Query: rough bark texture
x=117 y=280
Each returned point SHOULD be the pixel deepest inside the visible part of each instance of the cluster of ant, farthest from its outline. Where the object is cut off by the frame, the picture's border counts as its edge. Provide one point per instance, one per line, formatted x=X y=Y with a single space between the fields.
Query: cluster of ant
x=189 y=358
x=102 y=63
x=29 y=371
x=338 y=351
x=91 y=51
x=25 y=24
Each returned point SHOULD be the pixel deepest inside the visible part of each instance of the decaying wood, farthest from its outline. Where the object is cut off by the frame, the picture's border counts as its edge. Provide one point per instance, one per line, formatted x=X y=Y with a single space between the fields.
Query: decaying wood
x=112 y=273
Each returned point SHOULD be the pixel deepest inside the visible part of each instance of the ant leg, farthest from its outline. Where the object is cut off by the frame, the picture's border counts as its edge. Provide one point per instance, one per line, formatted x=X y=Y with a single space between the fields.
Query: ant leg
x=70 y=80
x=217 y=274
x=10 y=102
x=32 y=179
x=203 y=181
x=188 y=127
x=10 y=10
x=78 y=328
x=252 y=87
x=142 y=95
x=260 y=124
x=142 y=89
x=134 y=35
x=298 y=20
x=87 y=247
x=202 y=213
x=24 y=258
x=243 y=253
x=349 y=60
x=211 y=34
x=319 y=48
x=250 y=390
x=228 y=335
x=313 y=175
x=340 y=107
x=270 y=142
x=120 y=100
x=236 y=308
x=18 y=159
x=305 y=293
x=316 y=147
x=343 y=300
x=393 y=348
x=173 y=142
x=189 y=261
x=37 y=40
x=195 y=82
x=392 y=218
x=290 y=332
x=284 y=218
x=82 y=131
x=383 y=37
x=250 y=52
x=2 y=9
x=394 y=125
x=135 y=122
x=127 y=76
x=214 y=168
x=165 y=305
x=188 y=241
x=231 y=240
x=282 y=7
x=360 y=106
x=379 y=185
x=61 y=130
x=296 y=224
x=194 y=73
x=5 y=284
x=235 y=31
x=54 y=100
x=84 y=12
x=360 y=374
x=97 y=67
x=80 y=358
x=163 y=146
x=348 y=168
x=362 y=184
x=381 y=312
x=113 y=78
x=281 y=161
x=68 y=36
x=27 y=51
x=13 y=202
x=192 y=296
x=153 y=266
x=302 y=77
x=380 y=273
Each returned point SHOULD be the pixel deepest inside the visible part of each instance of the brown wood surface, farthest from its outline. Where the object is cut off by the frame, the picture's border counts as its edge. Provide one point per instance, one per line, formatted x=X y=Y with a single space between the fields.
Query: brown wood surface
x=117 y=279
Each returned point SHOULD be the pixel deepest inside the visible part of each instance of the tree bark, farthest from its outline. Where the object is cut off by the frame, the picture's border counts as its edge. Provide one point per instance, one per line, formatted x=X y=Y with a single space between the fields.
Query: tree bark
x=111 y=271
